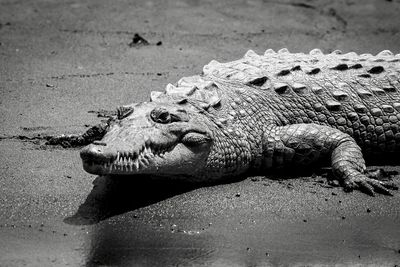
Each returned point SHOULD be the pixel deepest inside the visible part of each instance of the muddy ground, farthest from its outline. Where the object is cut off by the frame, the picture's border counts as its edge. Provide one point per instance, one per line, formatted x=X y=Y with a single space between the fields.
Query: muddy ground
x=61 y=59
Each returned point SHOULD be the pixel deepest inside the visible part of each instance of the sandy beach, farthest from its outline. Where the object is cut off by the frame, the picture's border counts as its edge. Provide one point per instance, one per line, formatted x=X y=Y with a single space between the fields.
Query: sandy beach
x=64 y=61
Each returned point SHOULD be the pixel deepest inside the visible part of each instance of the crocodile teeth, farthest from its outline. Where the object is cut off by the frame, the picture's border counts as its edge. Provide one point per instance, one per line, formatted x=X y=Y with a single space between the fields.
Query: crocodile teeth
x=147 y=150
x=132 y=161
x=136 y=164
x=141 y=164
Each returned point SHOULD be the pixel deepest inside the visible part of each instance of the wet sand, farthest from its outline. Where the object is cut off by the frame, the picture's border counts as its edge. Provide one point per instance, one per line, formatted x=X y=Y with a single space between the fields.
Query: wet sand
x=60 y=60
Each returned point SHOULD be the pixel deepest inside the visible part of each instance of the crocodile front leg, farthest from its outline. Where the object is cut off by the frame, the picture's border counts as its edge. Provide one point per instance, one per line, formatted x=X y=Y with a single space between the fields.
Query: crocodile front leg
x=304 y=144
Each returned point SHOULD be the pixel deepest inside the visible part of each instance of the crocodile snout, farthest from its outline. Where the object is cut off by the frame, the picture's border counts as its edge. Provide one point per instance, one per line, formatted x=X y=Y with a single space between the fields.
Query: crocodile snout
x=97 y=153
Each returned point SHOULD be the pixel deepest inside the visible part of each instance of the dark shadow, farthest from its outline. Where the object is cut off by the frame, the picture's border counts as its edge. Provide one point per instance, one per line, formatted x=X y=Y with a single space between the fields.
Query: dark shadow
x=113 y=195
x=115 y=244
x=386 y=159
x=323 y=168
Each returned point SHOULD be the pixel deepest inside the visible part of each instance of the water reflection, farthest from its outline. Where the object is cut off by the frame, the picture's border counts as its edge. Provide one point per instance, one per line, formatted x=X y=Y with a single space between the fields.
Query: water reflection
x=325 y=241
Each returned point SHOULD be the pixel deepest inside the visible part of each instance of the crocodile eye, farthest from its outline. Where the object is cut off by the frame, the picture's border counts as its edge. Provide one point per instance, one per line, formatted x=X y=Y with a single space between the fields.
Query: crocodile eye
x=160 y=115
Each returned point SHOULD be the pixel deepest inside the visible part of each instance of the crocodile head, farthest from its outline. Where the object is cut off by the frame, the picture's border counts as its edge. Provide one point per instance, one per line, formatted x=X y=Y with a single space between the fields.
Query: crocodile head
x=158 y=139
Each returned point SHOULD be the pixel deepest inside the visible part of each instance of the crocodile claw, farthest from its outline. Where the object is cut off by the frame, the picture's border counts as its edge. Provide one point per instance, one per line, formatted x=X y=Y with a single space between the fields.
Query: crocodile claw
x=368 y=185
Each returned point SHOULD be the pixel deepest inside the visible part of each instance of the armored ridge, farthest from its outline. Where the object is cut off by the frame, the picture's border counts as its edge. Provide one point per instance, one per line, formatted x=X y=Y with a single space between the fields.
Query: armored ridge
x=261 y=112
x=349 y=92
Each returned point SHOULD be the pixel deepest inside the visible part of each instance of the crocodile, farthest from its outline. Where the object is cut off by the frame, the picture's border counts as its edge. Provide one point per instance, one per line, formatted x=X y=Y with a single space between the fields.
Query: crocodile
x=261 y=113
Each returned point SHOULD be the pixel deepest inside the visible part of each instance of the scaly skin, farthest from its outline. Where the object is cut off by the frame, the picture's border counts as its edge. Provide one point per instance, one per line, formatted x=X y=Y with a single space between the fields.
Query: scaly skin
x=260 y=113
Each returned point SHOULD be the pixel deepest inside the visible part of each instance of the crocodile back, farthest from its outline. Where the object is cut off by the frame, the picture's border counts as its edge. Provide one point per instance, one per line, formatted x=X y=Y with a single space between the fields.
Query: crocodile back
x=357 y=94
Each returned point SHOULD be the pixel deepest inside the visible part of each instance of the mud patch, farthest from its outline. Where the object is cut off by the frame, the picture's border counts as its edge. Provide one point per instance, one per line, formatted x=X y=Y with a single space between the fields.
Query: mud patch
x=70 y=141
x=35 y=128
x=102 y=113
x=44 y=141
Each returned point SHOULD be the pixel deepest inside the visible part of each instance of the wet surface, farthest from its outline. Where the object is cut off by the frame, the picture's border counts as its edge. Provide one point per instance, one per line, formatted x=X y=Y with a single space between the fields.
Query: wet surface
x=256 y=243
x=249 y=229
x=61 y=60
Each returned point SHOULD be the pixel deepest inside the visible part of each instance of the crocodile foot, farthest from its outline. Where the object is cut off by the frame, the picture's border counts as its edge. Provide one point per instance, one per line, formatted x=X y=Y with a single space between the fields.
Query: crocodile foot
x=368 y=185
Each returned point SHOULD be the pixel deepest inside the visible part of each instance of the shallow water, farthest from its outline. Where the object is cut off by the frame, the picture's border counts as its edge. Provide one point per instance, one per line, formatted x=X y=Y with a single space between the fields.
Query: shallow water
x=354 y=240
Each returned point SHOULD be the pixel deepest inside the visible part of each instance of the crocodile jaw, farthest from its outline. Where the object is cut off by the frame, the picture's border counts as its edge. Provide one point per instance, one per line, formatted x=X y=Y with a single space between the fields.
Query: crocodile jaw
x=169 y=159
x=123 y=162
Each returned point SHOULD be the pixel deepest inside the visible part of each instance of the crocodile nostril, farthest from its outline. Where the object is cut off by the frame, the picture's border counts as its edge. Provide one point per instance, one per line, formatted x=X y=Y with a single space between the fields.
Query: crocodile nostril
x=99 y=143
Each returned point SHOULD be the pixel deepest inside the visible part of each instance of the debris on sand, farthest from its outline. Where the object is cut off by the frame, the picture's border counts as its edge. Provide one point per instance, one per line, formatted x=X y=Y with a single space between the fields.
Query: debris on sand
x=304 y=5
x=5 y=24
x=138 y=41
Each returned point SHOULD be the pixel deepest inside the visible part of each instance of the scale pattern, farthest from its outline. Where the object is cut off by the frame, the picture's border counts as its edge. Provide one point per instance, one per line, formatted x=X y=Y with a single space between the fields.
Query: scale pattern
x=304 y=106
x=357 y=94
x=265 y=112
